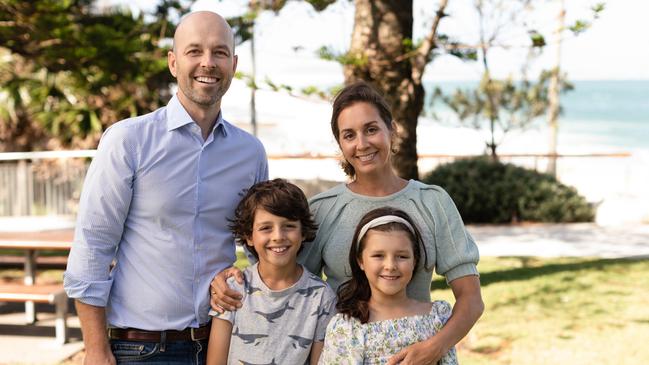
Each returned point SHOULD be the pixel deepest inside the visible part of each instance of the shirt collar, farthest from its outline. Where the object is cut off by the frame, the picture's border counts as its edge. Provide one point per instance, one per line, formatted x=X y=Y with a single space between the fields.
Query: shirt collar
x=177 y=117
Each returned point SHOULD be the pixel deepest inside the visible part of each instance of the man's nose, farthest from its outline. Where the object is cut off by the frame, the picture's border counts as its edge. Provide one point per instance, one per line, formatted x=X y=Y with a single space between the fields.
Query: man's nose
x=208 y=60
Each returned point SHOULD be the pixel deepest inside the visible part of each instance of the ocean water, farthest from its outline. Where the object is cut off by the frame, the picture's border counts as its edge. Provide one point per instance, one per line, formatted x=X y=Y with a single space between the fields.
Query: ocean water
x=609 y=114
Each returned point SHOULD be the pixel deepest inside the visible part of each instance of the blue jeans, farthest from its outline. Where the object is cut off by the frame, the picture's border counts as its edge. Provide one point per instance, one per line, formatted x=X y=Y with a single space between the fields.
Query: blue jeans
x=159 y=353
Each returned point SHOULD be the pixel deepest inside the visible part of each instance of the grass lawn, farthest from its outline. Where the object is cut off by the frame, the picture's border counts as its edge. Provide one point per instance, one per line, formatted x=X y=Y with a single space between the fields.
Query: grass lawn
x=559 y=311
x=547 y=311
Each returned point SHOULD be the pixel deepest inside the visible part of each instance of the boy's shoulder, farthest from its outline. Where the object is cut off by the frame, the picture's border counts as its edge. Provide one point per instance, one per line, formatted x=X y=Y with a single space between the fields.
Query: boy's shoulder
x=314 y=285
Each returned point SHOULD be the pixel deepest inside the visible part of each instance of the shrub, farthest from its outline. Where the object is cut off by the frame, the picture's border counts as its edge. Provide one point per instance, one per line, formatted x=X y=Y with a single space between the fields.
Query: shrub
x=487 y=191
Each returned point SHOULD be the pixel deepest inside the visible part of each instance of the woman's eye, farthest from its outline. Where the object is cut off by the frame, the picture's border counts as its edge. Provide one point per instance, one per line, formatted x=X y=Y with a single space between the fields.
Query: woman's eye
x=372 y=130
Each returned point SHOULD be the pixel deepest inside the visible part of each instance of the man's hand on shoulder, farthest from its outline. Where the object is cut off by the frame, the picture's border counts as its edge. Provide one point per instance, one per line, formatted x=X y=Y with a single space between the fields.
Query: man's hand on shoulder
x=222 y=297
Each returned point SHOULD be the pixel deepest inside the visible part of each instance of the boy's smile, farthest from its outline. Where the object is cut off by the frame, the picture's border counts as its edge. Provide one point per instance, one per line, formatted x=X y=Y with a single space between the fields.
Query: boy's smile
x=276 y=239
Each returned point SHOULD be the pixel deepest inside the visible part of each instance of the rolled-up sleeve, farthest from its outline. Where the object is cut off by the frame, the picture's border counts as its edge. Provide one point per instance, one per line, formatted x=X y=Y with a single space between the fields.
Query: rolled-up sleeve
x=457 y=252
x=103 y=208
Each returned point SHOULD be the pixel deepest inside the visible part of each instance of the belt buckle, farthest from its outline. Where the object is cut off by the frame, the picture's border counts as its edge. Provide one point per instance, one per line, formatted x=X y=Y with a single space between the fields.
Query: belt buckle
x=192 y=334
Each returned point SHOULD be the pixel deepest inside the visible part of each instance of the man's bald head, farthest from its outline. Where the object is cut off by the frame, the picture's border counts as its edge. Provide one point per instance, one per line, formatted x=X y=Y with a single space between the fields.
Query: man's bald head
x=203 y=59
x=188 y=23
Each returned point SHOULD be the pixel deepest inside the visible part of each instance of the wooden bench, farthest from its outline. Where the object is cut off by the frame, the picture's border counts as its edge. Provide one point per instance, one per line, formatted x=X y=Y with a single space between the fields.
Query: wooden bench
x=51 y=294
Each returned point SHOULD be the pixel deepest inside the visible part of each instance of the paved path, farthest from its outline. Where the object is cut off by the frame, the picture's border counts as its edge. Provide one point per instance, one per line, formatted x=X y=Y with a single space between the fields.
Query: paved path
x=571 y=240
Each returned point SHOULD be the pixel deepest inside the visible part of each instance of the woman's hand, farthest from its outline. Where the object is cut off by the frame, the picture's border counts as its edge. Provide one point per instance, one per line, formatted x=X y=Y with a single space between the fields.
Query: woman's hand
x=222 y=297
x=422 y=353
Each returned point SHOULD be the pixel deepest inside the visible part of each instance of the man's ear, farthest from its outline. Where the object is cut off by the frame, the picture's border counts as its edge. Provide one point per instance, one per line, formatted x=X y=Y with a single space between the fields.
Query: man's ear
x=171 y=62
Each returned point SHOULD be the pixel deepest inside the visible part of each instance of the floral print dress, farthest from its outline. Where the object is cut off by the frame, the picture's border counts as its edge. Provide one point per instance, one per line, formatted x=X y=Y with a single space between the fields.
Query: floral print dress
x=350 y=342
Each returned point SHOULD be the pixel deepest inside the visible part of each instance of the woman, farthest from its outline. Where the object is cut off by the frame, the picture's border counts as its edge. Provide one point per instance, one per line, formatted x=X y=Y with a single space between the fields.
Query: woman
x=362 y=125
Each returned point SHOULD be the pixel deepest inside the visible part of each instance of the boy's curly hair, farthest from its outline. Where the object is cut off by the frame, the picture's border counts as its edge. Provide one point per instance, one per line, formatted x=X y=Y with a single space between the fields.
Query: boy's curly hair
x=278 y=197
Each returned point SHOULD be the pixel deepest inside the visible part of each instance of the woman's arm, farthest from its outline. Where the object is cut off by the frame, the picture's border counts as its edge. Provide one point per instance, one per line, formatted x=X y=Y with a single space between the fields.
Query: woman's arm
x=219 y=343
x=466 y=311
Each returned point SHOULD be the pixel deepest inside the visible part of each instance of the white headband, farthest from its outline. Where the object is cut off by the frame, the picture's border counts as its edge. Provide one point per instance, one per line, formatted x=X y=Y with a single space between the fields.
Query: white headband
x=384 y=219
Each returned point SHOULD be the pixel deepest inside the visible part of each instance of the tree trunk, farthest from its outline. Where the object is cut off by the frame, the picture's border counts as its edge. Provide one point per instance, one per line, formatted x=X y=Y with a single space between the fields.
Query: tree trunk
x=380 y=28
x=553 y=96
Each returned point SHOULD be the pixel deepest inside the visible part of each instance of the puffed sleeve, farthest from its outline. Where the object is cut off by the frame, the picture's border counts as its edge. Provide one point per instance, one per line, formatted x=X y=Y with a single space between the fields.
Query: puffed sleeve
x=344 y=342
x=457 y=252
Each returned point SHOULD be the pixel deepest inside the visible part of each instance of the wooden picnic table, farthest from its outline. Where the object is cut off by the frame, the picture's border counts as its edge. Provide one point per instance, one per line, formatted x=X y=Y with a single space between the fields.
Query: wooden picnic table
x=31 y=248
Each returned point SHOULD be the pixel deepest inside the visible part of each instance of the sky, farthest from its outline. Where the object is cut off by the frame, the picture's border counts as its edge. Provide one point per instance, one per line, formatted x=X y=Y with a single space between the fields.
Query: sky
x=615 y=47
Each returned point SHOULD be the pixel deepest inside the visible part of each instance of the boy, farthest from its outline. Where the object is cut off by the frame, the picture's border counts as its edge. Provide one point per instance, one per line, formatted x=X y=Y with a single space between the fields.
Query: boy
x=285 y=308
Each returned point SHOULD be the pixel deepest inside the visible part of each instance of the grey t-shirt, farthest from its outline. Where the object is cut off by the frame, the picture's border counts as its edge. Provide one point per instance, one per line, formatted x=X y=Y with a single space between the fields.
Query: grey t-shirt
x=278 y=326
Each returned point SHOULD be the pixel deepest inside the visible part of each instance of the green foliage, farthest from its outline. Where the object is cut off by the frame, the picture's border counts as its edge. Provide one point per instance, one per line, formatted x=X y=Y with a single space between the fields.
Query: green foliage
x=86 y=69
x=487 y=191
x=538 y=40
x=329 y=54
x=502 y=105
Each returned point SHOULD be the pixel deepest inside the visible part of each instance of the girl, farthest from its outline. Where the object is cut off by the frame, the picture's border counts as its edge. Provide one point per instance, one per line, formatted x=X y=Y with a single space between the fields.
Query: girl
x=376 y=318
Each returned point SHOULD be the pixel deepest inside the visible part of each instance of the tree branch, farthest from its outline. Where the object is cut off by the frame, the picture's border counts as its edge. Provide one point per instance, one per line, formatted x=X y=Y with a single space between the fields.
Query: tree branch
x=425 y=50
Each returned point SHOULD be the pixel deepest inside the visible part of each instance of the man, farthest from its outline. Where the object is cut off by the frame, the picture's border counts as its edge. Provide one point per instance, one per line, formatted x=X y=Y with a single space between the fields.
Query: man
x=156 y=200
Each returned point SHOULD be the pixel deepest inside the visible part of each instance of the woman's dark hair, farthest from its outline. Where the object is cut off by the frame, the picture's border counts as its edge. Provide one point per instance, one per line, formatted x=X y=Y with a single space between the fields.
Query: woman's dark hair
x=354 y=294
x=358 y=92
x=278 y=197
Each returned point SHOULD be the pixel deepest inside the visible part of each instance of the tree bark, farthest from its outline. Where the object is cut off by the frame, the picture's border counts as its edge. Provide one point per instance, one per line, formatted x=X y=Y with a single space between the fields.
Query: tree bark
x=380 y=28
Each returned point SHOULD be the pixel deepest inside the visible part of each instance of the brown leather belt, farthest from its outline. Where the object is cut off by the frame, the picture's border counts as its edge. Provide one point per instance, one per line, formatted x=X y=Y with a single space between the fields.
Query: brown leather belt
x=134 y=334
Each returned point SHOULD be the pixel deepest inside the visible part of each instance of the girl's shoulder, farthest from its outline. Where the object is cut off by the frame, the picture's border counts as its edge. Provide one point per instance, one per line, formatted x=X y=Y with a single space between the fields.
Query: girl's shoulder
x=341 y=323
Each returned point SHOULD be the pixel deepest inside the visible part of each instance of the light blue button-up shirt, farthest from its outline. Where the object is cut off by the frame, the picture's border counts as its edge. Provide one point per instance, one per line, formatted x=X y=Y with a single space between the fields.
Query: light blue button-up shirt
x=157 y=198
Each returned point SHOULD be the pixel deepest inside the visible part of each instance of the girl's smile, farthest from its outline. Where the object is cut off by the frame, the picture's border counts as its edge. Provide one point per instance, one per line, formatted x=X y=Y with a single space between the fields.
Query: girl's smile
x=388 y=262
